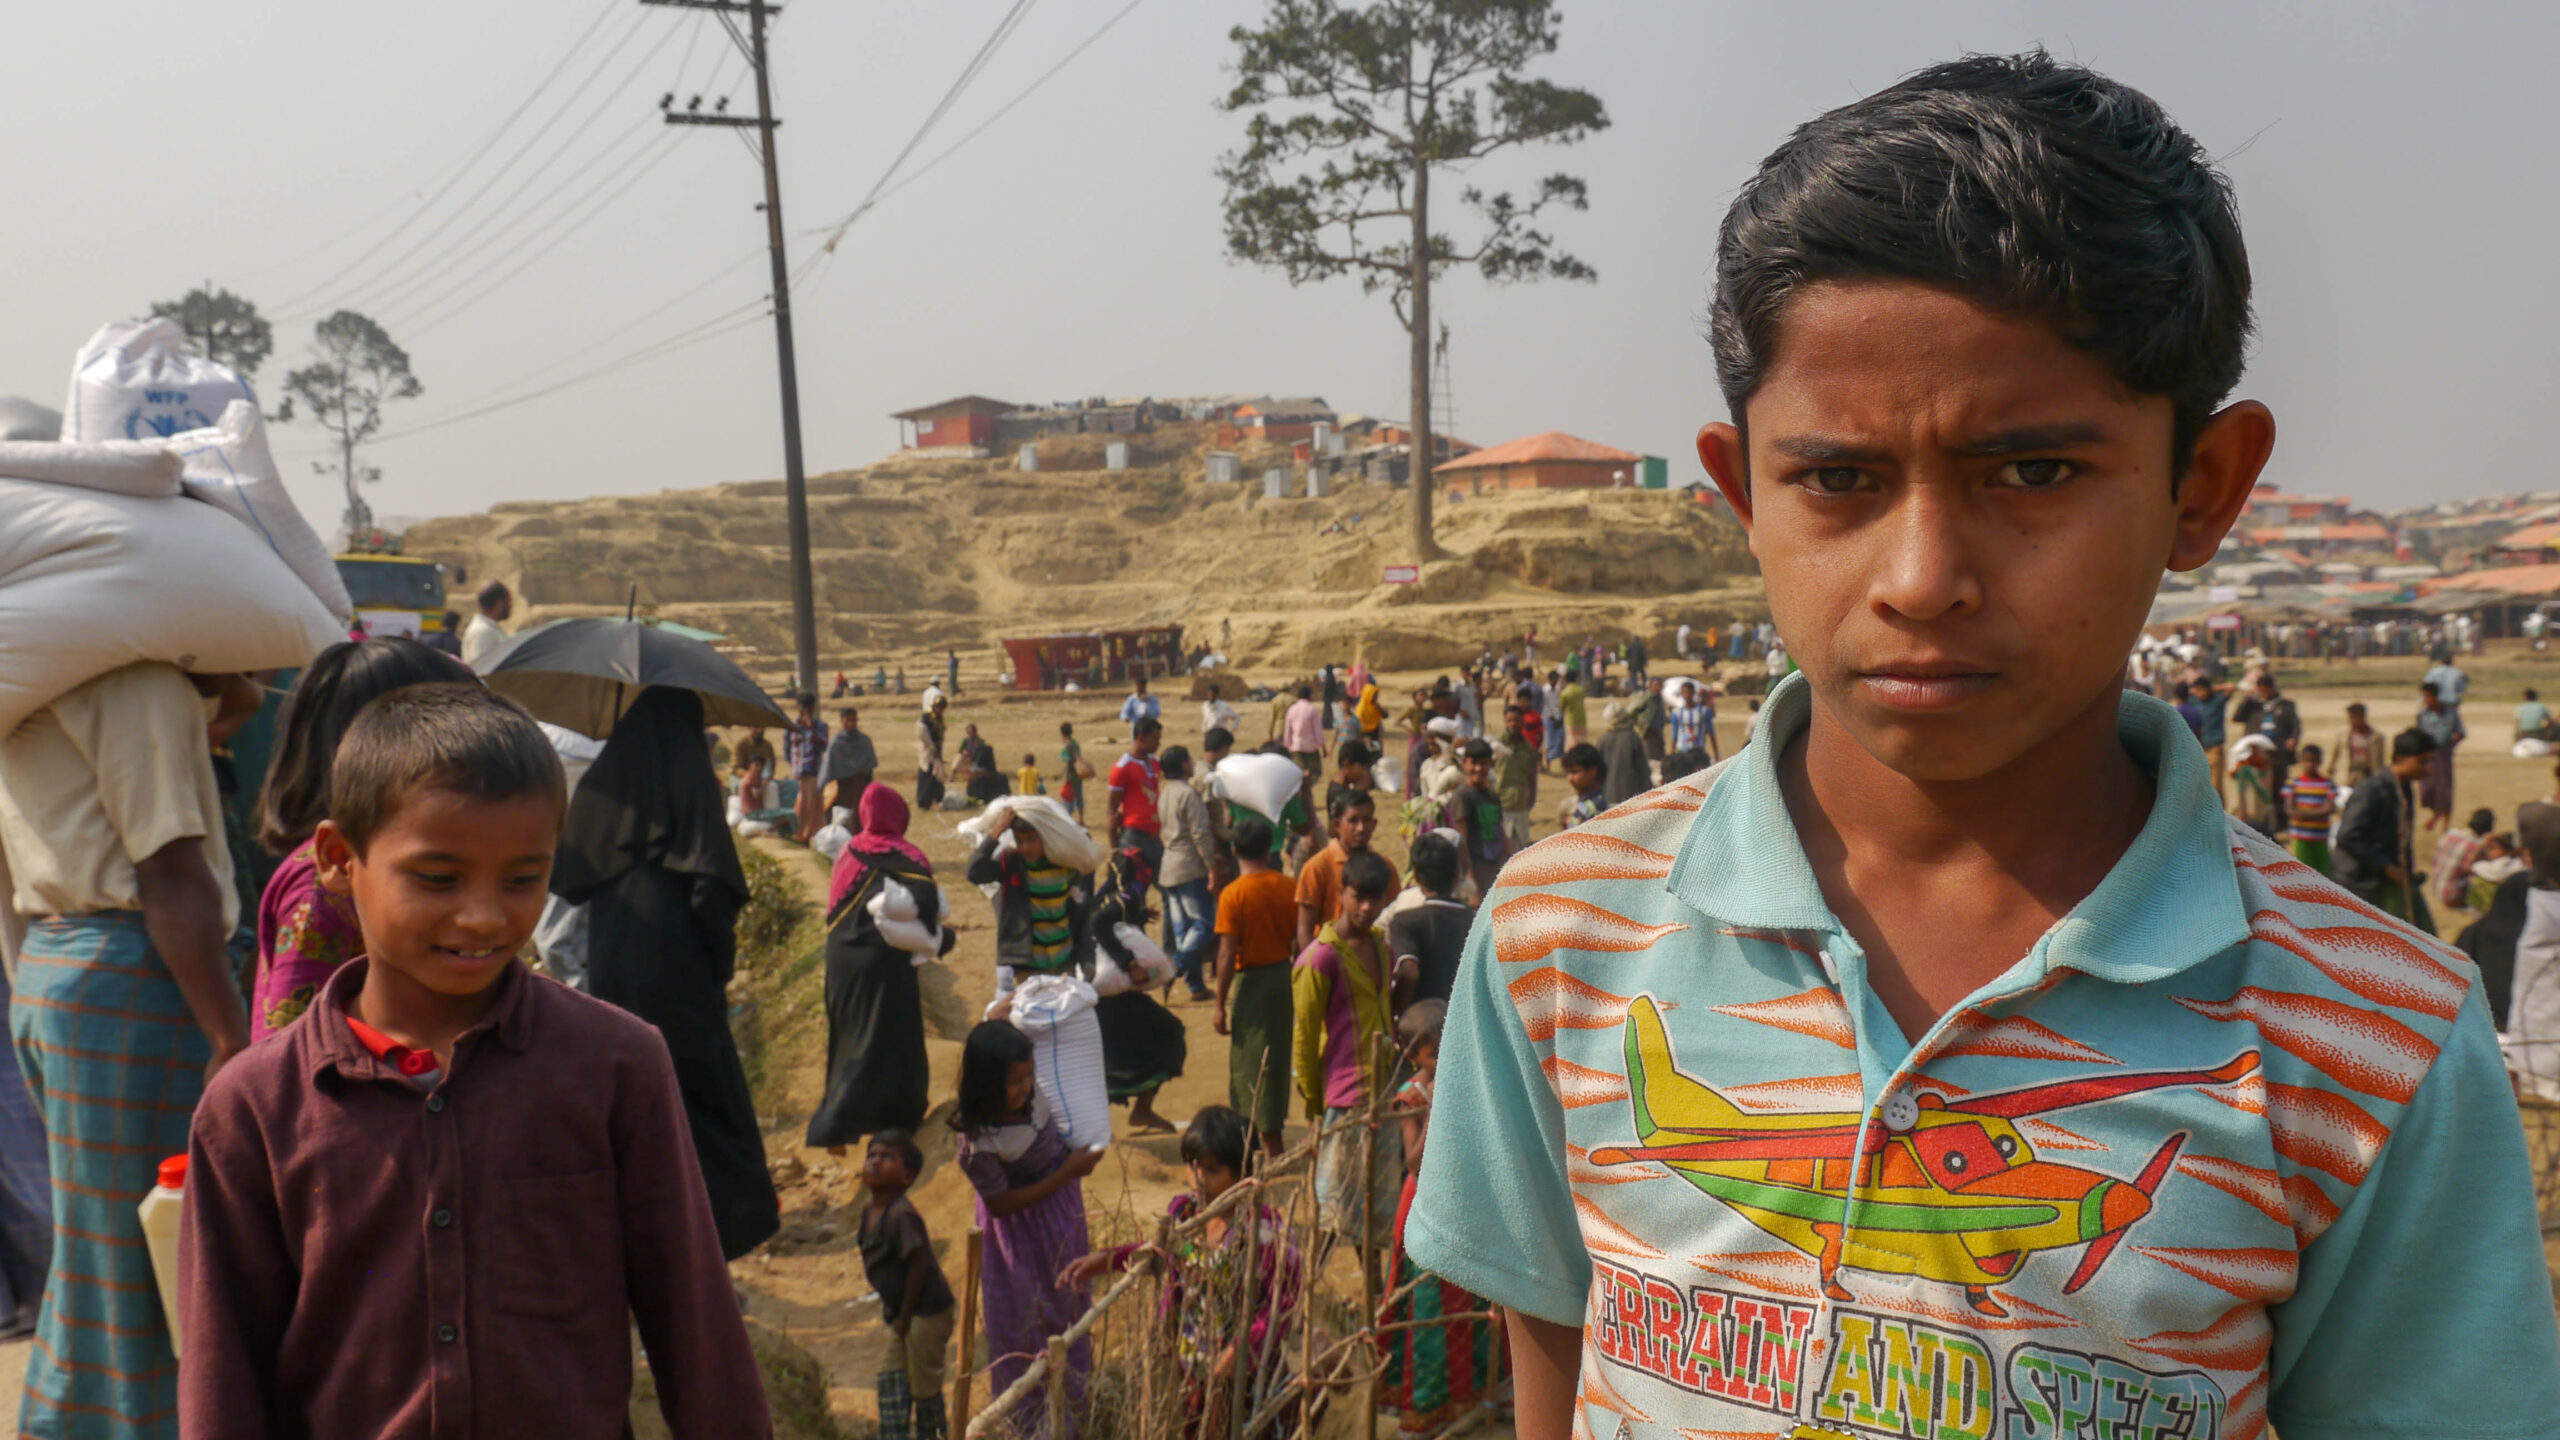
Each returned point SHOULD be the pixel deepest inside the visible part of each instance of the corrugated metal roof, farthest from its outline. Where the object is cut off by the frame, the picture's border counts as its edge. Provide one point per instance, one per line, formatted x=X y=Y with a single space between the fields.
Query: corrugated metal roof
x=1552 y=446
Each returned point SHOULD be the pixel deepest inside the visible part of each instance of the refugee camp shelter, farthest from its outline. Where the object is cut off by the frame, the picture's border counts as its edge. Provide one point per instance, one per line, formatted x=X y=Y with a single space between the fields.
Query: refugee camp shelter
x=1553 y=461
x=969 y=420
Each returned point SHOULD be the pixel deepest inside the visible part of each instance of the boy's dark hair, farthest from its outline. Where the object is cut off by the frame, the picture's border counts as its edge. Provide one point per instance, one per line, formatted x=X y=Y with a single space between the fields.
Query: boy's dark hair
x=1478 y=749
x=1368 y=876
x=1030 y=759
x=1067 y=728
x=1254 y=835
x=452 y=736
x=1147 y=725
x=2355 y=707
x=1306 y=692
x=2412 y=744
x=2529 y=695
x=492 y=593
x=1352 y=753
x=1218 y=737
x=1218 y=1136
x=2032 y=187
x=1434 y=863
x=2310 y=752
x=1347 y=801
x=2483 y=820
x=343 y=680
x=1175 y=762
x=992 y=1048
x=1585 y=756
x=904 y=1146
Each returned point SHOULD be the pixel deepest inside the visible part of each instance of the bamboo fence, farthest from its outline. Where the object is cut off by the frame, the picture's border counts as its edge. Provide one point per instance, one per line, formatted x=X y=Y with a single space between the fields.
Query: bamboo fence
x=1183 y=1371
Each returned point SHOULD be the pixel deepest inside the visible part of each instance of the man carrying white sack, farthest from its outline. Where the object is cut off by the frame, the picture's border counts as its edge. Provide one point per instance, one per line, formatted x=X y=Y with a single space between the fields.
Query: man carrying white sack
x=124 y=1007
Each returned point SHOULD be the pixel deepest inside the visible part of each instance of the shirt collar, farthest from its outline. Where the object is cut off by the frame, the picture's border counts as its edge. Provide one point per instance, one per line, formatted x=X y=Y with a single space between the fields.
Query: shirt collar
x=2171 y=901
x=332 y=1045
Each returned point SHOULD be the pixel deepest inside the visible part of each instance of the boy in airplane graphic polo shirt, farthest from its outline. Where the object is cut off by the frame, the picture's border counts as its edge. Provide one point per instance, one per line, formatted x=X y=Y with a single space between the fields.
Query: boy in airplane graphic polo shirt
x=1947 y=1063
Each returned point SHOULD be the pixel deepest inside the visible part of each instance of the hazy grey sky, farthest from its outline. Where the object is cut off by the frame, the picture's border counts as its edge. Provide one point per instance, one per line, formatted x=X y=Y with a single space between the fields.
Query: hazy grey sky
x=2394 y=167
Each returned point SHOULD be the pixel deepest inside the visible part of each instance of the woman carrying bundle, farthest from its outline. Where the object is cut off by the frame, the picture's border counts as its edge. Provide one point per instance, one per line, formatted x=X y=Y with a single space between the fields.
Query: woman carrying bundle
x=884 y=920
x=1143 y=1044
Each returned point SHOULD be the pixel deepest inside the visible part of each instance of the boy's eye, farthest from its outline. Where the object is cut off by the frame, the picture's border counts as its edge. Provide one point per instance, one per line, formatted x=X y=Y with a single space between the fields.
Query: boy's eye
x=1833 y=479
x=434 y=879
x=2033 y=474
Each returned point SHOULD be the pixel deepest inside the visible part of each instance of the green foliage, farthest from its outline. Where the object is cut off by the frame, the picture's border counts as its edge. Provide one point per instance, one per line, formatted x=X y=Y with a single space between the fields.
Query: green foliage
x=1352 y=105
x=356 y=370
x=221 y=327
x=776 y=908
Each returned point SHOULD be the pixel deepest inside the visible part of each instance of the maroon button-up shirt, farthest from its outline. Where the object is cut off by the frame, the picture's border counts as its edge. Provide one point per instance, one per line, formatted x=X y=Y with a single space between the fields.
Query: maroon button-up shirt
x=363 y=1260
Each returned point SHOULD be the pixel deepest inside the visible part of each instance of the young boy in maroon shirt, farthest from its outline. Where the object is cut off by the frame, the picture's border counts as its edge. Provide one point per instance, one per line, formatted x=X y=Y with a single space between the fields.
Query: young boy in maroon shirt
x=436 y=1203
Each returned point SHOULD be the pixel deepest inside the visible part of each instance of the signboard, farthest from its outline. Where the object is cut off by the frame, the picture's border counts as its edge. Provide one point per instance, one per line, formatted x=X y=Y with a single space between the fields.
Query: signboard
x=1403 y=574
x=2222 y=622
x=2222 y=594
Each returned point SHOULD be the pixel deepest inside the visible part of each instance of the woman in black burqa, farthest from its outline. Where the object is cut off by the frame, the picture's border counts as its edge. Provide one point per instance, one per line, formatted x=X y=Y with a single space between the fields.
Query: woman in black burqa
x=646 y=849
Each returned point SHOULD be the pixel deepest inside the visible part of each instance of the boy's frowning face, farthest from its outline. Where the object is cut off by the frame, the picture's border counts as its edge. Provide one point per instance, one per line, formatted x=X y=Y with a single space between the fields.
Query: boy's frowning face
x=450 y=887
x=1356 y=826
x=1962 y=518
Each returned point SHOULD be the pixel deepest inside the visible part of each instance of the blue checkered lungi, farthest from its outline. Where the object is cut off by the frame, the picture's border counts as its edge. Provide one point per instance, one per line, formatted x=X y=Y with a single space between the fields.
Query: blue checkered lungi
x=26 y=1191
x=115 y=1063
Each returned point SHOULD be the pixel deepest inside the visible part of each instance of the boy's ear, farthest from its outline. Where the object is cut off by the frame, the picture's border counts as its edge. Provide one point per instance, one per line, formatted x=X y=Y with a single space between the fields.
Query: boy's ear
x=2230 y=452
x=334 y=858
x=1728 y=461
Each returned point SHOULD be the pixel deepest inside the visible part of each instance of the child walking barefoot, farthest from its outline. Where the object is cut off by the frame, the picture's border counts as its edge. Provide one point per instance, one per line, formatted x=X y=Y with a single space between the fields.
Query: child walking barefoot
x=1030 y=1208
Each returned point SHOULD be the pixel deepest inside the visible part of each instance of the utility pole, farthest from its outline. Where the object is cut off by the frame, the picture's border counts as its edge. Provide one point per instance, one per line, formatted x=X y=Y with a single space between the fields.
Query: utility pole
x=795 y=482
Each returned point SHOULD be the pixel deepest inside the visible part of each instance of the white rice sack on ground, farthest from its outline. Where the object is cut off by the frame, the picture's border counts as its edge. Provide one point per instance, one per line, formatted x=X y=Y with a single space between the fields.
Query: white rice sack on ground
x=1056 y=1011
x=134 y=380
x=92 y=582
x=229 y=464
x=2531 y=749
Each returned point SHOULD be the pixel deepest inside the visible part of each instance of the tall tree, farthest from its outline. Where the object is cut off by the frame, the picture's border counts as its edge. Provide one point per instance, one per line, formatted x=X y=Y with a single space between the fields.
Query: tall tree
x=355 y=371
x=223 y=327
x=1353 y=106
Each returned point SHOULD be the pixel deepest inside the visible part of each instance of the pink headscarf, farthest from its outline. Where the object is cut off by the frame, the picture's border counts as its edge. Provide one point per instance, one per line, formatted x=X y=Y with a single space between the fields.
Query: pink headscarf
x=884 y=833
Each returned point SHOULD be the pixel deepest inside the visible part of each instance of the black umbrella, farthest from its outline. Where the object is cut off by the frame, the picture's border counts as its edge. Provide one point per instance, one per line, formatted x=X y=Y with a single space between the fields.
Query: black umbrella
x=583 y=674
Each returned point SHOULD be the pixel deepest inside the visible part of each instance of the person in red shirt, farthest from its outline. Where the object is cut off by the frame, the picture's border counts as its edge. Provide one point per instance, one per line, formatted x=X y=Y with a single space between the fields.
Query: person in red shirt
x=472 y=1178
x=1135 y=782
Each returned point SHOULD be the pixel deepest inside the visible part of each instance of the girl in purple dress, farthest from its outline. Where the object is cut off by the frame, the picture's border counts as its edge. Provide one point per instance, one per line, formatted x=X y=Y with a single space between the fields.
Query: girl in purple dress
x=304 y=932
x=1030 y=1209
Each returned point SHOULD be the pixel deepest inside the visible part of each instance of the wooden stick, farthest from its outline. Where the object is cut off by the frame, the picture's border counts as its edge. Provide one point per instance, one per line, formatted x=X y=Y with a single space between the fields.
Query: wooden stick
x=1057 y=1386
x=966 y=1380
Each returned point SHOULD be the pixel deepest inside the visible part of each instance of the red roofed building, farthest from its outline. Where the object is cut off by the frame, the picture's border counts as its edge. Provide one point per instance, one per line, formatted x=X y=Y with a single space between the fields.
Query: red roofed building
x=969 y=420
x=1553 y=461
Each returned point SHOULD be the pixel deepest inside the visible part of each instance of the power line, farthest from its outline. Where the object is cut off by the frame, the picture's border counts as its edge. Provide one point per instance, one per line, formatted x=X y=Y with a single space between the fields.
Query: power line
x=427 y=205
x=711 y=329
x=920 y=171
x=968 y=74
x=437 y=231
x=429 y=319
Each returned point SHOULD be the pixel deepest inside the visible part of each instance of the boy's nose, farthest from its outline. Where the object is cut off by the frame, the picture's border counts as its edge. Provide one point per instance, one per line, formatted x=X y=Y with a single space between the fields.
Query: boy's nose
x=1923 y=569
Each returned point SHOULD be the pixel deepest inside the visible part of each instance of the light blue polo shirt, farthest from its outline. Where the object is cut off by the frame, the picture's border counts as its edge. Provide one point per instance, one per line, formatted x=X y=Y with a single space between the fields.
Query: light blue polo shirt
x=2228 y=1146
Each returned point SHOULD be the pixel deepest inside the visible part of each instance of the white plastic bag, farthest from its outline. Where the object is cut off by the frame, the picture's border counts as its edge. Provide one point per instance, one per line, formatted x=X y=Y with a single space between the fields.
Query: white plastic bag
x=92 y=581
x=836 y=834
x=1152 y=965
x=2531 y=749
x=1260 y=783
x=134 y=380
x=893 y=914
x=1056 y=1011
x=228 y=464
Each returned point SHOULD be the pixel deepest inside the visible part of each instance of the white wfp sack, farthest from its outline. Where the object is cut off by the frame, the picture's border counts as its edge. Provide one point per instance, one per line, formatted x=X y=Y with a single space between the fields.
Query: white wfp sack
x=134 y=380
x=1148 y=965
x=836 y=834
x=1056 y=1011
x=228 y=464
x=92 y=581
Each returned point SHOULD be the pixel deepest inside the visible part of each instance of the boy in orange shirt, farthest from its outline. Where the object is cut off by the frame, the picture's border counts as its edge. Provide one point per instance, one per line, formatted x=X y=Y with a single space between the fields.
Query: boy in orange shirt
x=1257 y=931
